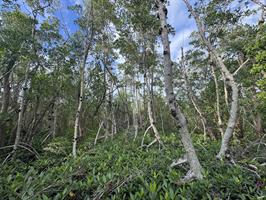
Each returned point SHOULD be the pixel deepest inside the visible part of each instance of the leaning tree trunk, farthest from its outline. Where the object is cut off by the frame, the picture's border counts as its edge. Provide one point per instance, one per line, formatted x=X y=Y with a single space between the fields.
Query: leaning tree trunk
x=230 y=81
x=195 y=167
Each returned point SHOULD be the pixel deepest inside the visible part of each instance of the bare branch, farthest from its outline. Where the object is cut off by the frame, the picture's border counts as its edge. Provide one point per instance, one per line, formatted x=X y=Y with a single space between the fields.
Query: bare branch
x=240 y=67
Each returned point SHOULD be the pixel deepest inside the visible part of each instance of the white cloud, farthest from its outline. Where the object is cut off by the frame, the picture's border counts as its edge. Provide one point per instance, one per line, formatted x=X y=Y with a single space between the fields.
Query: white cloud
x=183 y=25
x=181 y=39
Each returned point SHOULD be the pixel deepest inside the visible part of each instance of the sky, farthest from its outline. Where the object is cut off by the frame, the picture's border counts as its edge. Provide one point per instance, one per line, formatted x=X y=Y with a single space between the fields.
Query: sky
x=177 y=18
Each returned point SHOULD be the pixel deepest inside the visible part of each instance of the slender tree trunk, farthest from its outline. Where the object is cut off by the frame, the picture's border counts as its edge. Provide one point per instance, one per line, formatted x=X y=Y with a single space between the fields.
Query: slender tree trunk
x=225 y=91
x=23 y=94
x=196 y=169
x=135 y=108
x=86 y=46
x=205 y=126
x=229 y=79
x=161 y=118
x=127 y=117
x=98 y=132
x=258 y=124
x=77 y=119
x=6 y=93
x=220 y=123
x=54 y=131
x=20 y=114
x=151 y=116
x=5 y=101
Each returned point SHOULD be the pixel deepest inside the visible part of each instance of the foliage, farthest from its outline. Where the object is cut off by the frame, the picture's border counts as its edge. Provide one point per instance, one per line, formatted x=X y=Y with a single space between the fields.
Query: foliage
x=126 y=172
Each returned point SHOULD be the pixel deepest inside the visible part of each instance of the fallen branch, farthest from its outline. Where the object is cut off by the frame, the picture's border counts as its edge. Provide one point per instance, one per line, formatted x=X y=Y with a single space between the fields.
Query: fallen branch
x=23 y=146
x=179 y=161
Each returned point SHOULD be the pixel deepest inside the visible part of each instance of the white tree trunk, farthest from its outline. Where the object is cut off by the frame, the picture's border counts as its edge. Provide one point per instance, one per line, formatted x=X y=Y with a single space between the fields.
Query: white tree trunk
x=193 y=161
x=20 y=114
x=229 y=79
x=135 y=108
x=22 y=97
x=77 y=119
x=150 y=111
x=98 y=132
x=220 y=123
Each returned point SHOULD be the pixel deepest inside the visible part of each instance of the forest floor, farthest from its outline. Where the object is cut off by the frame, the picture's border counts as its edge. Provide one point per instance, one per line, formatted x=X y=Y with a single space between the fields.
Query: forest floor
x=120 y=169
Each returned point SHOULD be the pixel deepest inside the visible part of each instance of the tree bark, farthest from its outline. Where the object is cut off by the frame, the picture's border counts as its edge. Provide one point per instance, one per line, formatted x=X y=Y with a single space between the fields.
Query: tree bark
x=5 y=100
x=81 y=94
x=54 y=131
x=229 y=79
x=23 y=94
x=195 y=167
x=20 y=114
x=6 y=93
x=135 y=108
x=86 y=46
x=150 y=110
x=220 y=123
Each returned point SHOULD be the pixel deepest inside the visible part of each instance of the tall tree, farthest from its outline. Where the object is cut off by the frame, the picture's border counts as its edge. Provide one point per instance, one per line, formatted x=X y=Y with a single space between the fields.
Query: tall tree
x=195 y=167
x=229 y=78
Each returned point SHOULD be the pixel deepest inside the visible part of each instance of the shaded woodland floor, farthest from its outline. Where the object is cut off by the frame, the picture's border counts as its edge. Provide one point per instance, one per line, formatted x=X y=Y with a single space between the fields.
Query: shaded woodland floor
x=120 y=169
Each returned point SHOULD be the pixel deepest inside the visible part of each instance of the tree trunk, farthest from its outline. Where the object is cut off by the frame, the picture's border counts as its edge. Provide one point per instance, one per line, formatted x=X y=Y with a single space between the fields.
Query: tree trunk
x=77 y=119
x=86 y=46
x=258 y=124
x=150 y=111
x=23 y=94
x=220 y=123
x=20 y=114
x=54 y=131
x=135 y=108
x=229 y=79
x=6 y=93
x=196 y=169
x=5 y=101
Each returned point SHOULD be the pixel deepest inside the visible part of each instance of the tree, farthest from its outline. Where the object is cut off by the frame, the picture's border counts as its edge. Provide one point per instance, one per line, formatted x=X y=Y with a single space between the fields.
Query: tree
x=195 y=167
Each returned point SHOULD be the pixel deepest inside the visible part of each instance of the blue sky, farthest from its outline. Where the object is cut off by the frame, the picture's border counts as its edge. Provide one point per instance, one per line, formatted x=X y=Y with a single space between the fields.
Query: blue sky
x=177 y=17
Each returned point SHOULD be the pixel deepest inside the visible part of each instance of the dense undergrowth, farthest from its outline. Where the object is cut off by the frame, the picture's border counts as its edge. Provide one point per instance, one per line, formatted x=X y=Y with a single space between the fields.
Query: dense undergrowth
x=119 y=169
